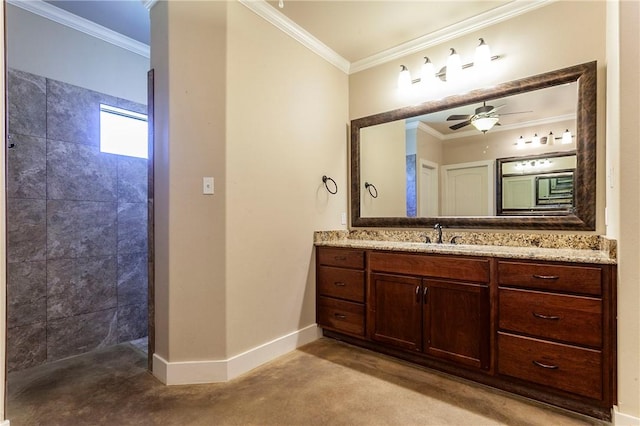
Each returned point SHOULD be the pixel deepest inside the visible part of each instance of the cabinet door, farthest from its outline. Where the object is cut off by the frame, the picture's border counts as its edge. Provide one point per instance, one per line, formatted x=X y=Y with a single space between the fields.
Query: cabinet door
x=456 y=322
x=396 y=305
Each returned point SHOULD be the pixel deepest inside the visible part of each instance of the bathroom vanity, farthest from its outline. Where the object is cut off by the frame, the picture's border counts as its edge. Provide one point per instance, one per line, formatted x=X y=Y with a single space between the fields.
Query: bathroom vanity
x=514 y=318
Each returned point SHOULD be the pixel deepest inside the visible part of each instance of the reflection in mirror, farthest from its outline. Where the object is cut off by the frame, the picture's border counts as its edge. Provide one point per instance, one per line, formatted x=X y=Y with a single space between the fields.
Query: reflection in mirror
x=536 y=184
x=437 y=162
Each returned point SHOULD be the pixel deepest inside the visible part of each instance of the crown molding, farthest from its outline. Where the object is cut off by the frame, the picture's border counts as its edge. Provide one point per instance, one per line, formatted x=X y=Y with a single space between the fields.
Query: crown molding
x=491 y=17
x=149 y=3
x=286 y=25
x=75 y=22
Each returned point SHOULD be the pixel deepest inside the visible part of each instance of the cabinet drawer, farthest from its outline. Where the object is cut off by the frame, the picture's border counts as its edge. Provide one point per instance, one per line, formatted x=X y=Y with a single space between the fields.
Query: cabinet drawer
x=457 y=268
x=345 y=258
x=573 y=279
x=341 y=283
x=568 y=368
x=340 y=315
x=573 y=319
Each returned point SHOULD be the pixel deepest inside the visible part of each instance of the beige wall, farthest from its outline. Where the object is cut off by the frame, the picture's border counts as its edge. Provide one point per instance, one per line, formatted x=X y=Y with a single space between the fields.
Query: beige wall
x=267 y=119
x=190 y=143
x=286 y=128
x=383 y=158
x=623 y=192
x=62 y=54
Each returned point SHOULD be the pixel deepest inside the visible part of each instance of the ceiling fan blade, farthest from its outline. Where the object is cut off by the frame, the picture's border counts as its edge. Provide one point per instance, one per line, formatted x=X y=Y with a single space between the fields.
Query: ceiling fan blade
x=458 y=117
x=460 y=125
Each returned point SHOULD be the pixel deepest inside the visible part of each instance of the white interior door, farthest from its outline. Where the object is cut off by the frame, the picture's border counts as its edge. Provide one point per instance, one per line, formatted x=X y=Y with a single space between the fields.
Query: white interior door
x=428 y=185
x=468 y=189
x=518 y=192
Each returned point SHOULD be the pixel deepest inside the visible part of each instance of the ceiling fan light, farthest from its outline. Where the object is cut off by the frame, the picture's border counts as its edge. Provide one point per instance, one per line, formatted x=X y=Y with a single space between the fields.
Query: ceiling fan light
x=404 y=79
x=482 y=57
x=566 y=137
x=454 y=67
x=484 y=123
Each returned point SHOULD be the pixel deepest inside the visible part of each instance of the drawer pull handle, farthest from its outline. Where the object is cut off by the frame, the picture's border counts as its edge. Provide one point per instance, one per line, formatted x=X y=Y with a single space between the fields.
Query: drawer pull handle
x=340 y=316
x=546 y=277
x=547 y=366
x=340 y=257
x=424 y=295
x=339 y=284
x=417 y=294
x=547 y=317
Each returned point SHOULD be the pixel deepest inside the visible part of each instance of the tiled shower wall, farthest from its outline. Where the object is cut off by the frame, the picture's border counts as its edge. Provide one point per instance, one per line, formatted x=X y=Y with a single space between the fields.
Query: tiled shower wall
x=76 y=226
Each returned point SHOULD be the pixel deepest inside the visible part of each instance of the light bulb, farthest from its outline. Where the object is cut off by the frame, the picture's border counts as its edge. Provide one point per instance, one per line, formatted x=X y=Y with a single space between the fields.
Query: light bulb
x=404 y=79
x=566 y=137
x=428 y=74
x=482 y=59
x=550 y=139
x=454 y=67
x=535 y=140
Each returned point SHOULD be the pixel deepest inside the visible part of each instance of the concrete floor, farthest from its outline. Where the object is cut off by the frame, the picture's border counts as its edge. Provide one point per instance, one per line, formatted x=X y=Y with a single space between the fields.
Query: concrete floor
x=325 y=382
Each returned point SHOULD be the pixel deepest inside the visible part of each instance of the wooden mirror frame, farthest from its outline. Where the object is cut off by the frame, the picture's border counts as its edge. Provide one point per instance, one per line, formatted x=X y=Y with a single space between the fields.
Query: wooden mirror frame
x=582 y=217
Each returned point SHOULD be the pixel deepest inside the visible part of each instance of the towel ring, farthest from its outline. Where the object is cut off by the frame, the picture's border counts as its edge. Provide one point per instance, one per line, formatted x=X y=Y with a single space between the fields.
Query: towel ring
x=368 y=187
x=327 y=178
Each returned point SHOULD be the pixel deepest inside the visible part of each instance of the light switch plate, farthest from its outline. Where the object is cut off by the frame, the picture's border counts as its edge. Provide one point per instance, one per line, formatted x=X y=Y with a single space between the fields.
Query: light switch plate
x=207 y=185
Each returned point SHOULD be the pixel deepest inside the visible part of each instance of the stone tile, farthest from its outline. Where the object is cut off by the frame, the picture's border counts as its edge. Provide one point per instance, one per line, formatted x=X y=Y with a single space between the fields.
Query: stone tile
x=27 y=106
x=80 y=286
x=132 y=279
x=132 y=228
x=80 y=172
x=26 y=346
x=26 y=293
x=81 y=229
x=83 y=333
x=73 y=114
x=26 y=230
x=132 y=322
x=132 y=179
x=27 y=167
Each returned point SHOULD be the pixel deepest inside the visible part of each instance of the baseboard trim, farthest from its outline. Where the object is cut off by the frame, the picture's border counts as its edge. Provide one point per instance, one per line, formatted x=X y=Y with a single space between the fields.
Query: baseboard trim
x=4 y=423
x=621 y=419
x=195 y=372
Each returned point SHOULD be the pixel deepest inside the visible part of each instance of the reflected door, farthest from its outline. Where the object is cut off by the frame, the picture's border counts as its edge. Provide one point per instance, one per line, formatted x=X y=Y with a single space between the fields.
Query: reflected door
x=428 y=189
x=467 y=189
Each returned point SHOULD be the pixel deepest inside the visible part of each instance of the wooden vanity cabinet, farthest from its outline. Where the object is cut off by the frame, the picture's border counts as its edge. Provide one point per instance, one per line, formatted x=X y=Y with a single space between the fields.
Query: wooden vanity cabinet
x=432 y=310
x=340 y=290
x=542 y=329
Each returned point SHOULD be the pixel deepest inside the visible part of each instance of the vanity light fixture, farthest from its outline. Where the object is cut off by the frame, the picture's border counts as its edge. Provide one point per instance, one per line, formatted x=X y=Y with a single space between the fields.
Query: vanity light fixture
x=566 y=137
x=484 y=124
x=550 y=139
x=404 y=79
x=454 y=67
x=452 y=71
x=535 y=140
x=520 y=142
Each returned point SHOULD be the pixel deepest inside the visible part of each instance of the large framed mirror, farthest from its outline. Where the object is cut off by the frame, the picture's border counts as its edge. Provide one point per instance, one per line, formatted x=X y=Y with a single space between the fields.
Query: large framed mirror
x=437 y=163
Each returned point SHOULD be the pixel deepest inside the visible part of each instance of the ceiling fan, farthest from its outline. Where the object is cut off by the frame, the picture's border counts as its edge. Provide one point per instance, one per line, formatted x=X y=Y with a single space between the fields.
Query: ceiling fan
x=483 y=119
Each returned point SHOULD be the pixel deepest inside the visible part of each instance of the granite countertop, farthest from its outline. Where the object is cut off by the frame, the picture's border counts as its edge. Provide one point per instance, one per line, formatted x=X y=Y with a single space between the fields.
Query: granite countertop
x=562 y=254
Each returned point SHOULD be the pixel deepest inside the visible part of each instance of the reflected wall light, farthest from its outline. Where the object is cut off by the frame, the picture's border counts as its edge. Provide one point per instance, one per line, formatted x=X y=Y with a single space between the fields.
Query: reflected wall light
x=566 y=137
x=450 y=73
x=545 y=140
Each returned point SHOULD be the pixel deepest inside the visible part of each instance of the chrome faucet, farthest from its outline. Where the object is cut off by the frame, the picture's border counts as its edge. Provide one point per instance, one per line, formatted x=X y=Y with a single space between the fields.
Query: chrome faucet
x=438 y=229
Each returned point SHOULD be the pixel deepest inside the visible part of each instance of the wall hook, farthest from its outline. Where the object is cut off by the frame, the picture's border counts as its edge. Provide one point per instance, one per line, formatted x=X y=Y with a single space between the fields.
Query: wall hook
x=335 y=185
x=368 y=187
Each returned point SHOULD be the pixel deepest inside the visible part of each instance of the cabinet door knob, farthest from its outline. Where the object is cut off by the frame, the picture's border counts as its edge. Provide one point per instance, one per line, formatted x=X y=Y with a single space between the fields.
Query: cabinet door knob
x=546 y=277
x=547 y=366
x=546 y=317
